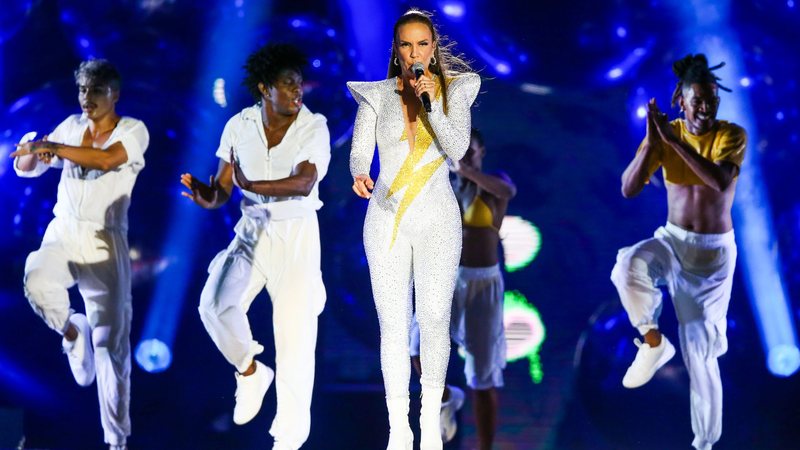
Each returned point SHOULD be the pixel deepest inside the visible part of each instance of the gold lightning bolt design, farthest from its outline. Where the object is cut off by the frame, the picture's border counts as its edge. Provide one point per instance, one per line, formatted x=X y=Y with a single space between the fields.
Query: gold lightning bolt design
x=410 y=177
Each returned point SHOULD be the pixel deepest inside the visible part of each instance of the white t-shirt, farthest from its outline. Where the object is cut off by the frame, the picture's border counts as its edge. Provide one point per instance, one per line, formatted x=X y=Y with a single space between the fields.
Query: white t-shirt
x=307 y=139
x=93 y=195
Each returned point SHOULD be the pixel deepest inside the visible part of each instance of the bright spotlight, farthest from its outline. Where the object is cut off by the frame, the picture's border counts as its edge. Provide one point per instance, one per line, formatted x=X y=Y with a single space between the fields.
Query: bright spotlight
x=219 y=92
x=614 y=73
x=453 y=9
x=641 y=112
x=502 y=68
x=783 y=360
x=153 y=355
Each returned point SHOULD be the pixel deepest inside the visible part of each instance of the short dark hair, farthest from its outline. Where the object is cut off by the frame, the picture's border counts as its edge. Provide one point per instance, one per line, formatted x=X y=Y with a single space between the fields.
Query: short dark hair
x=100 y=72
x=693 y=69
x=265 y=64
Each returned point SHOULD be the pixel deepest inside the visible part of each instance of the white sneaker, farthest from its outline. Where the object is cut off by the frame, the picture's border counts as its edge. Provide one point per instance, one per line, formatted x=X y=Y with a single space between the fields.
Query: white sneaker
x=447 y=416
x=80 y=352
x=250 y=391
x=648 y=361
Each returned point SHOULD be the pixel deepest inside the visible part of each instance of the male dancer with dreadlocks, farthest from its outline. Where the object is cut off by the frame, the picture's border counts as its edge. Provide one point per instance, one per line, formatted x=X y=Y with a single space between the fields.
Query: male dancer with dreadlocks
x=694 y=254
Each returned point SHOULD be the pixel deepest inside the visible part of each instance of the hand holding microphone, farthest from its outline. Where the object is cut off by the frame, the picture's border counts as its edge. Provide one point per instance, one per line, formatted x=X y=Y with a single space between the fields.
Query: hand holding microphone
x=423 y=85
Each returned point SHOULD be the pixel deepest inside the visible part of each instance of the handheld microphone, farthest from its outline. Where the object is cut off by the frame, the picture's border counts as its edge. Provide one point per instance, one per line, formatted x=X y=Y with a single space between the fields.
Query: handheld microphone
x=419 y=70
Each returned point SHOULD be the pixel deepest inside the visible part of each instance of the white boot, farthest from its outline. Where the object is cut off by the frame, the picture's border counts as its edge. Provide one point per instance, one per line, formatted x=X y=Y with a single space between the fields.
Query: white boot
x=429 y=419
x=400 y=435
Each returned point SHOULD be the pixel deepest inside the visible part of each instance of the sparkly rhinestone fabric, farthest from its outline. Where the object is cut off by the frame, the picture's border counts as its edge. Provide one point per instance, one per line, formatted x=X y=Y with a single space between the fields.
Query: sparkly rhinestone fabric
x=412 y=231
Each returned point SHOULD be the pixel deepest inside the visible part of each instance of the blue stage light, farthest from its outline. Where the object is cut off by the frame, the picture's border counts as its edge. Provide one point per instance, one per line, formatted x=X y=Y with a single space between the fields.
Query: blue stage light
x=502 y=68
x=614 y=73
x=13 y=16
x=631 y=60
x=153 y=355
x=366 y=23
x=622 y=32
x=783 y=360
x=453 y=9
x=19 y=104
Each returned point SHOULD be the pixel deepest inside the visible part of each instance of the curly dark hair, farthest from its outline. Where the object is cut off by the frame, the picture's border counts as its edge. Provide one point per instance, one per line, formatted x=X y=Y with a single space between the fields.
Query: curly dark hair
x=100 y=72
x=693 y=69
x=265 y=64
x=447 y=64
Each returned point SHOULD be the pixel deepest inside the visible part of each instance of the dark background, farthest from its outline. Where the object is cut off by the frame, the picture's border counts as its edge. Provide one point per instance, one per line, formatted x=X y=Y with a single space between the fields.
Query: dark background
x=553 y=119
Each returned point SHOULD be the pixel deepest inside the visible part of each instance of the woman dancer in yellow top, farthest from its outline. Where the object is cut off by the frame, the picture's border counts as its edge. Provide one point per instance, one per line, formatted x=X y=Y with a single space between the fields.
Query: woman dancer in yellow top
x=412 y=231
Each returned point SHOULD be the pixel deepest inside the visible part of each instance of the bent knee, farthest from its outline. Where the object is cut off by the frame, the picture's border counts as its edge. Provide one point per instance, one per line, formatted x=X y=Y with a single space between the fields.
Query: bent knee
x=630 y=268
x=211 y=308
x=37 y=283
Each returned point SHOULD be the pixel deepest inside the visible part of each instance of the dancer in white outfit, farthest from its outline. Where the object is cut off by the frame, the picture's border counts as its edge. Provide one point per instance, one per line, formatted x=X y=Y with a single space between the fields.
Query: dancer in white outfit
x=287 y=148
x=694 y=254
x=413 y=225
x=100 y=154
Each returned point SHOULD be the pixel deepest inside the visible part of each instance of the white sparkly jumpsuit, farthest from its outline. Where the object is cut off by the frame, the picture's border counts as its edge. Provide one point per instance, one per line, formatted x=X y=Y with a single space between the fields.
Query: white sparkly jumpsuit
x=412 y=230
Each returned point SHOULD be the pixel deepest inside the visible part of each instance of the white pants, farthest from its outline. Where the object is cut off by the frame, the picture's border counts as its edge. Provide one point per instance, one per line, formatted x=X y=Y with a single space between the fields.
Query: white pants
x=476 y=324
x=697 y=269
x=97 y=260
x=283 y=257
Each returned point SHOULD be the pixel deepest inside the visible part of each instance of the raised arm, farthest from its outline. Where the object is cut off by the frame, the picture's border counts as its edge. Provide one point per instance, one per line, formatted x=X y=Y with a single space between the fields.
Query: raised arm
x=499 y=185
x=453 y=129
x=646 y=161
x=717 y=174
